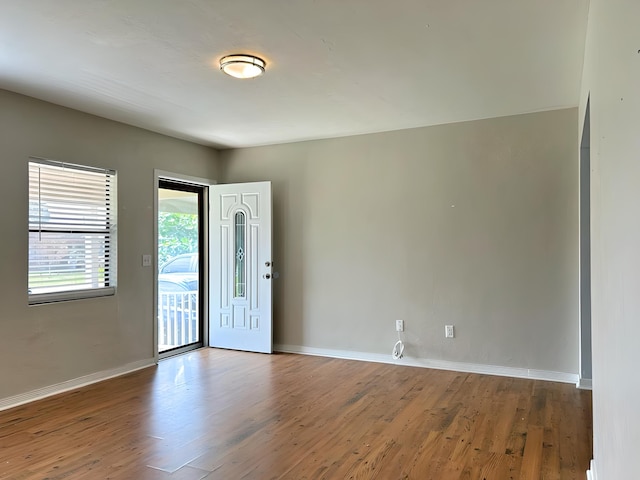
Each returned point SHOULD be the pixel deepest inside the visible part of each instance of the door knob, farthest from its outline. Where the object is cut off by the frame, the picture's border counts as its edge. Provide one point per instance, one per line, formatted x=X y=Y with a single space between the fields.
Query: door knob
x=267 y=276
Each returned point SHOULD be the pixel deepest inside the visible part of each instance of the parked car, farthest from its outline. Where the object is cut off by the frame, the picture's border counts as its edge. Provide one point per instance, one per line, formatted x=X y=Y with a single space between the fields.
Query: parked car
x=172 y=282
x=184 y=263
x=179 y=273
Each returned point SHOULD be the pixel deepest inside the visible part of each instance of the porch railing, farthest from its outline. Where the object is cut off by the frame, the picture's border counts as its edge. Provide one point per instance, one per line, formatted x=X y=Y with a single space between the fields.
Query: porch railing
x=177 y=319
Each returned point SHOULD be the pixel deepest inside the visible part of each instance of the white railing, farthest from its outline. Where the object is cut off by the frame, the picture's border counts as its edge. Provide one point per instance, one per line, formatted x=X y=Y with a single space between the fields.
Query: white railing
x=177 y=319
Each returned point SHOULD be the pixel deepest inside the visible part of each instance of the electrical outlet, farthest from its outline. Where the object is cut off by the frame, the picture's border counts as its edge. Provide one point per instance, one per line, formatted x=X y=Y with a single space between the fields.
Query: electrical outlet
x=399 y=325
x=448 y=331
x=146 y=260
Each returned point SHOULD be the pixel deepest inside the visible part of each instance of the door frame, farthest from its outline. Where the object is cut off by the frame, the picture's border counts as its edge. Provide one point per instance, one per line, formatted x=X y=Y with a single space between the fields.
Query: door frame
x=204 y=287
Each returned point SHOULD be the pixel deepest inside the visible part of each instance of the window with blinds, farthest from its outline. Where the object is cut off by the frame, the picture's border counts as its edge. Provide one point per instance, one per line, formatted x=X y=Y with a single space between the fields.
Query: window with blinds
x=72 y=231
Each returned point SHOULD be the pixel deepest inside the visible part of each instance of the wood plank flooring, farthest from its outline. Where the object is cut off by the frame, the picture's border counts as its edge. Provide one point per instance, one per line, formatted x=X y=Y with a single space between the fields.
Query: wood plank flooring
x=218 y=414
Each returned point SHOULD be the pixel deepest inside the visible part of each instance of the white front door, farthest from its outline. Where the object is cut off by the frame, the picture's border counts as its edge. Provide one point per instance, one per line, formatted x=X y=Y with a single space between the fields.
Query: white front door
x=241 y=267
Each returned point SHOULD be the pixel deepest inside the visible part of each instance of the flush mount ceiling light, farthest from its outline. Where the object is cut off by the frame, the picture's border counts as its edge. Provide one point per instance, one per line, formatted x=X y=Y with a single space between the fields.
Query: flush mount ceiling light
x=242 y=66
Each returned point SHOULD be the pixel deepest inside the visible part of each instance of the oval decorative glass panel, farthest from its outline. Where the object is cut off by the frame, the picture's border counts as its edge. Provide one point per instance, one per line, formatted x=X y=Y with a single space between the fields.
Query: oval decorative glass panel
x=239 y=282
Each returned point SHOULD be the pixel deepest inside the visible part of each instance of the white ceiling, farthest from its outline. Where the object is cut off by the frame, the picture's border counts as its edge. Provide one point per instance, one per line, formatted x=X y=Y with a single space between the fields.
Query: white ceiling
x=335 y=67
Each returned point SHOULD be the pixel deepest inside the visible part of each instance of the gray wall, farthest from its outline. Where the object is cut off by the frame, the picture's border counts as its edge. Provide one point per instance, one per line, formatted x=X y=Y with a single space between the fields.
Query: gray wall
x=47 y=344
x=472 y=224
x=611 y=77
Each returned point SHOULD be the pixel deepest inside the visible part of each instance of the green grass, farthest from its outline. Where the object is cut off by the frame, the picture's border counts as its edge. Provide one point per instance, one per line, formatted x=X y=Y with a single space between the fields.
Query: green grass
x=37 y=280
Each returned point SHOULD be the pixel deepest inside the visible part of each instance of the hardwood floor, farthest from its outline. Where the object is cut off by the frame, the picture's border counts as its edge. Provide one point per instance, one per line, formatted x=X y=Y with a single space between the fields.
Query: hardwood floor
x=219 y=414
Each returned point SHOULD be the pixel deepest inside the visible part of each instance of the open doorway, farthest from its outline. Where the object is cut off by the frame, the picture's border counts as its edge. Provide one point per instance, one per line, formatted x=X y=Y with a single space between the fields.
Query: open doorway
x=181 y=246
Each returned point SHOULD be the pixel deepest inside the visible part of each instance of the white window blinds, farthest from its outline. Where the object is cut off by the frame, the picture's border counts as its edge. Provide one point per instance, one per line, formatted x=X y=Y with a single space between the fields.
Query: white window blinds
x=72 y=225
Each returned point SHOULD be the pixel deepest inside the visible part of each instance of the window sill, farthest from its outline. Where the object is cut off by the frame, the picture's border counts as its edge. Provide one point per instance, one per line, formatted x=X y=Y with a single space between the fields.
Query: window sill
x=45 y=298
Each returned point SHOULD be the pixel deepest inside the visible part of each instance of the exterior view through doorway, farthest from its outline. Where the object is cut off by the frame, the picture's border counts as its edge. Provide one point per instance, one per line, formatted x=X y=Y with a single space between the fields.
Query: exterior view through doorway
x=181 y=213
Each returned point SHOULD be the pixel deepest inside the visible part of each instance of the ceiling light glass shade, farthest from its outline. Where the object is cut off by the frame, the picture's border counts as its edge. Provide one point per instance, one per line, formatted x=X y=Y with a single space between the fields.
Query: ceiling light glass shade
x=242 y=66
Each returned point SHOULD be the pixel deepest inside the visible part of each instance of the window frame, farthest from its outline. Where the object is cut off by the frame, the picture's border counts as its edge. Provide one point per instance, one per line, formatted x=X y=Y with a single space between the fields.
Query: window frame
x=110 y=233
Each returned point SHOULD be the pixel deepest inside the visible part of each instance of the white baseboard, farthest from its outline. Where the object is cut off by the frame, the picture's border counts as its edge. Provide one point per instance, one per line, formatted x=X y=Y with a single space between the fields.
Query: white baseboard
x=437 y=364
x=585 y=384
x=40 y=393
x=51 y=390
x=591 y=473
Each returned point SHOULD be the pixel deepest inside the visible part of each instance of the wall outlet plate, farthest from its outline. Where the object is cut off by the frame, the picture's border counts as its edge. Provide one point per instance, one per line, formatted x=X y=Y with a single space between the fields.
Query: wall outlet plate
x=146 y=260
x=448 y=331
x=399 y=325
